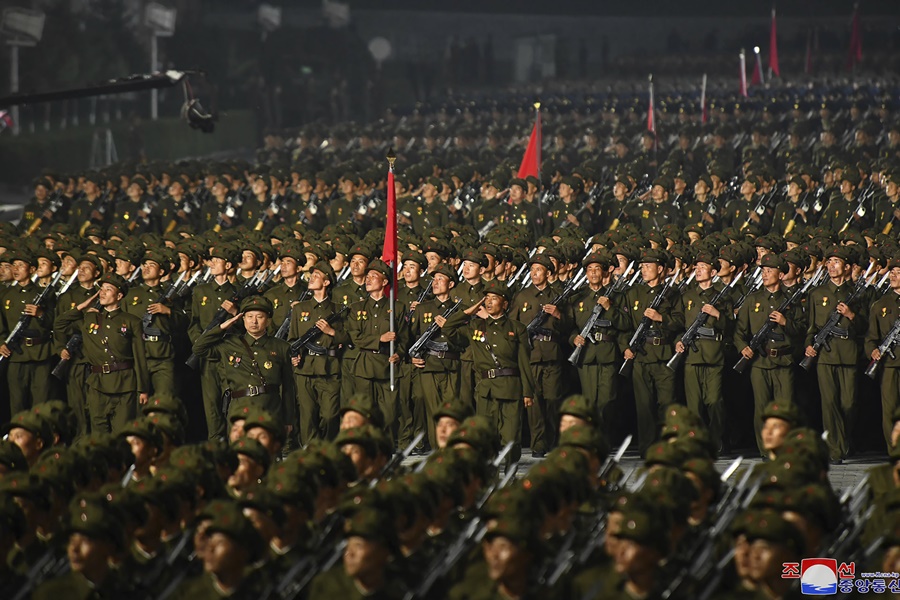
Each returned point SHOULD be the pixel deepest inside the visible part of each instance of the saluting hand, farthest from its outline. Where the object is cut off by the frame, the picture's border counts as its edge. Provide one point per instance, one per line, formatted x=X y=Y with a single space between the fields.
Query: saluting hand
x=88 y=302
x=231 y=321
x=474 y=308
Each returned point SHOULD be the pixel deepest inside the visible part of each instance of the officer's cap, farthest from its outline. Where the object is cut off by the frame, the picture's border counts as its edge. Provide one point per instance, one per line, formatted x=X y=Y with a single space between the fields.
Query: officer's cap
x=259 y=303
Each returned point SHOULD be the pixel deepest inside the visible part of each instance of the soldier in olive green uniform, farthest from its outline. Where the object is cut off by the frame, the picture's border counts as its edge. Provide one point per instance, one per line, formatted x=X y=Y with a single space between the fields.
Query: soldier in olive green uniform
x=836 y=367
x=883 y=313
x=771 y=372
x=522 y=213
x=429 y=213
x=489 y=210
x=206 y=300
x=654 y=382
x=29 y=365
x=368 y=325
x=471 y=291
x=412 y=410
x=114 y=349
x=317 y=367
x=438 y=364
x=353 y=289
x=89 y=270
x=253 y=364
x=500 y=350
x=703 y=367
x=161 y=319
x=843 y=207
x=291 y=287
x=547 y=352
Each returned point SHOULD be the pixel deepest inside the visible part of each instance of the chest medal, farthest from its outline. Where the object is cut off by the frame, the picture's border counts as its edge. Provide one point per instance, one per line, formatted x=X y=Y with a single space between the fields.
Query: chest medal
x=825 y=301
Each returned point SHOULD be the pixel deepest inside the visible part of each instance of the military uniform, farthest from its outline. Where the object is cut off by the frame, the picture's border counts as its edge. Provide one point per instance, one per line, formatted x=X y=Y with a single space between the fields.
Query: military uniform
x=883 y=313
x=77 y=374
x=346 y=294
x=427 y=216
x=652 y=216
x=29 y=370
x=837 y=367
x=282 y=296
x=470 y=295
x=411 y=398
x=317 y=377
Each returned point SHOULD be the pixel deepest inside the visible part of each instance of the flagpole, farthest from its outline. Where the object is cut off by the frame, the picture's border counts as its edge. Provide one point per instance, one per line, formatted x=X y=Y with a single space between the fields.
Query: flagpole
x=540 y=142
x=393 y=294
x=703 y=100
x=743 y=58
x=762 y=79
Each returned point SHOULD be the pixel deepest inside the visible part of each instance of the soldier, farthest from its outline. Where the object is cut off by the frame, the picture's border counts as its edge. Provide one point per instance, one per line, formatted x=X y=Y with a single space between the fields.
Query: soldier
x=438 y=365
x=28 y=372
x=253 y=364
x=791 y=211
x=429 y=214
x=500 y=352
x=703 y=367
x=291 y=287
x=654 y=383
x=206 y=300
x=547 y=351
x=412 y=411
x=597 y=366
x=114 y=348
x=771 y=373
x=884 y=312
x=843 y=211
x=471 y=291
x=317 y=366
x=837 y=366
x=368 y=325
x=161 y=318
x=660 y=212
x=887 y=211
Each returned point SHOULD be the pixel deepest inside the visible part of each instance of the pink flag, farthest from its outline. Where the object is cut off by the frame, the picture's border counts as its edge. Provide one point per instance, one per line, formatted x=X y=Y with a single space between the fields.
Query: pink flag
x=773 y=48
x=855 y=54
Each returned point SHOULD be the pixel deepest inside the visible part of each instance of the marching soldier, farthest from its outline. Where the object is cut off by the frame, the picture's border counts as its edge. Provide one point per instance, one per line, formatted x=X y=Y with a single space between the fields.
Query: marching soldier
x=884 y=312
x=291 y=287
x=118 y=378
x=471 y=291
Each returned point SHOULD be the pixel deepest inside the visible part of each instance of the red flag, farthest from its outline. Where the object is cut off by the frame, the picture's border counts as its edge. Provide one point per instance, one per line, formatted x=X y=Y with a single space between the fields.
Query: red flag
x=651 y=118
x=757 y=72
x=773 y=49
x=531 y=162
x=389 y=252
x=855 y=54
x=704 y=115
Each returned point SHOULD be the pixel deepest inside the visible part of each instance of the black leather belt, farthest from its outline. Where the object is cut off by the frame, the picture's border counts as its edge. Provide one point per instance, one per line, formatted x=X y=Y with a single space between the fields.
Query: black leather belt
x=34 y=341
x=326 y=352
x=443 y=354
x=655 y=341
x=495 y=373
x=254 y=390
x=776 y=352
x=379 y=351
x=108 y=368
x=604 y=337
x=164 y=337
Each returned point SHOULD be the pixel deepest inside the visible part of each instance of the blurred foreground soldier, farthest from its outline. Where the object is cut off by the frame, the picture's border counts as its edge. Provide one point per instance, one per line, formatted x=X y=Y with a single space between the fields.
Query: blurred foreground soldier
x=368 y=449
x=95 y=544
x=232 y=547
x=371 y=545
x=29 y=365
x=882 y=316
x=253 y=364
x=206 y=300
x=504 y=382
x=778 y=419
x=114 y=348
x=836 y=367
x=31 y=434
x=368 y=326
x=771 y=373
x=447 y=419
x=317 y=369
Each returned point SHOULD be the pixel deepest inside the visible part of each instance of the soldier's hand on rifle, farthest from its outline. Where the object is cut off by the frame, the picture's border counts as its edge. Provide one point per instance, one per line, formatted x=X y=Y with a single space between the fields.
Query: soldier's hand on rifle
x=580 y=341
x=811 y=352
x=604 y=302
x=419 y=362
x=144 y=398
x=551 y=310
x=876 y=354
x=653 y=315
x=65 y=354
x=88 y=302
x=707 y=217
x=296 y=360
x=679 y=347
x=231 y=321
x=845 y=311
x=777 y=317
x=413 y=305
x=5 y=352
x=96 y=216
x=628 y=354
x=897 y=213
x=158 y=308
x=440 y=321
x=571 y=219
x=472 y=309
x=325 y=328
x=711 y=310
x=753 y=217
x=229 y=307
x=33 y=310
x=801 y=212
x=394 y=359
x=389 y=336
x=747 y=353
x=529 y=402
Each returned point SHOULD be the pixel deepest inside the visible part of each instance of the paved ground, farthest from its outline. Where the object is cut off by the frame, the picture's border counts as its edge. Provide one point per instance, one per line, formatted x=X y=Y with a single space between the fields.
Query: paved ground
x=842 y=476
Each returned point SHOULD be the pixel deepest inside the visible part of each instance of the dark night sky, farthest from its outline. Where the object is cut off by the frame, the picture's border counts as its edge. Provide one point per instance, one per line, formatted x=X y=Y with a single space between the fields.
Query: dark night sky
x=731 y=8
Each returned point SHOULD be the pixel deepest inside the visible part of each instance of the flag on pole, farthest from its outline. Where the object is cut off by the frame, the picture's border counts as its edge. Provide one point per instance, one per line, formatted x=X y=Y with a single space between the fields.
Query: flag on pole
x=773 y=49
x=531 y=161
x=651 y=118
x=704 y=115
x=855 y=54
x=757 y=70
x=389 y=251
x=808 y=63
x=743 y=61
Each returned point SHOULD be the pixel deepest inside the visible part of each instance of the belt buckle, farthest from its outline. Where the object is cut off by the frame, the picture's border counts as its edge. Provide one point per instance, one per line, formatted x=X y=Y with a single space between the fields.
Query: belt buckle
x=253 y=390
x=151 y=338
x=106 y=368
x=492 y=374
x=773 y=353
x=657 y=341
x=441 y=354
x=28 y=342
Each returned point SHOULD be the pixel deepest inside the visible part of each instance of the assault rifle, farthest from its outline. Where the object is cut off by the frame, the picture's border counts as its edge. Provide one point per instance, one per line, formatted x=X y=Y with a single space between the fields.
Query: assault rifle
x=637 y=341
x=886 y=347
x=537 y=323
x=698 y=327
x=409 y=314
x=587 y=332
x=285 y=326
x=823 y=338
x=171 y=292
x=420 y=347
x=14 y=339
x=298 y=345
x=250 y=287
x=759 y=339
